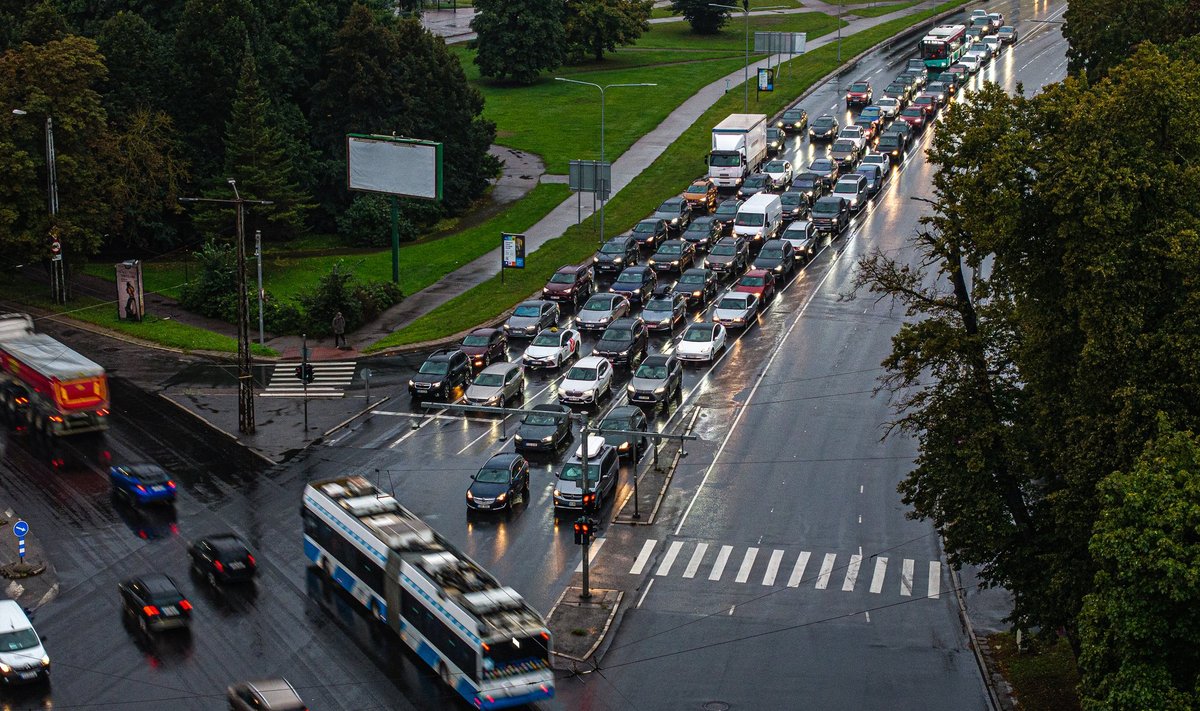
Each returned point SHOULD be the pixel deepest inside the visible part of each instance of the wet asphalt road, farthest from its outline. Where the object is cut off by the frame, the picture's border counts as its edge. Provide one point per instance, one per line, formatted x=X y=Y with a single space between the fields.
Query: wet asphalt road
x=787 y=414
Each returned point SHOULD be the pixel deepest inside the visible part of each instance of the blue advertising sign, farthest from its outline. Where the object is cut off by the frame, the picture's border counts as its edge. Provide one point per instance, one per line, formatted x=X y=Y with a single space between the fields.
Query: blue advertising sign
x=513 y=256
x=766 y=79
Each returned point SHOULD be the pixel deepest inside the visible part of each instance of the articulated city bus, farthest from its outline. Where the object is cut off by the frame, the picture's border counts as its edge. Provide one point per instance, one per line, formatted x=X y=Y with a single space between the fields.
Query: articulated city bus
x=943 y=46
x=483 y=639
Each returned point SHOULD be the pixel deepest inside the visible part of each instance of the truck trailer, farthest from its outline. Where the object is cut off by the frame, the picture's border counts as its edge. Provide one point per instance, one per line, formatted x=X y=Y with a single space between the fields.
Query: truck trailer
x=46 y=386
x=739 y=145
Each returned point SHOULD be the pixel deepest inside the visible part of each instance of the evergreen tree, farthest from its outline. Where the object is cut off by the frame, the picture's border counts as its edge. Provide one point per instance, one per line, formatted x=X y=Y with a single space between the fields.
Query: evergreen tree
x=139 y=66
x=518 y=39
x=44 y=23
x=702 y=16
x=594 y=27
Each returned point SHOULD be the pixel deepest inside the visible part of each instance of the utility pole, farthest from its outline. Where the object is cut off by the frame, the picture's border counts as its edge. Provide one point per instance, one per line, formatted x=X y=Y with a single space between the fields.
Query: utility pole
x=262 y=340
x=58 y=277
x=244 y=362
x=587 y=528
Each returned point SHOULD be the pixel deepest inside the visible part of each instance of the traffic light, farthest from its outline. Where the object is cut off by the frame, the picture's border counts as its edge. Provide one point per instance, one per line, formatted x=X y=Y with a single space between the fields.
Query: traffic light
x=585 y=530
x=305 y=373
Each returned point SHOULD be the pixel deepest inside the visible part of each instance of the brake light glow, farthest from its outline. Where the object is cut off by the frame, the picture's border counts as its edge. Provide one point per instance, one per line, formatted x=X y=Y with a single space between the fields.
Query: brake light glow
x=219 y=566
x=141 y=488
x=185 y=605
x=250 y=560
x=55 y=418
x=22 y=401
x=150 y=611
x=102 y=412
x=170 y=484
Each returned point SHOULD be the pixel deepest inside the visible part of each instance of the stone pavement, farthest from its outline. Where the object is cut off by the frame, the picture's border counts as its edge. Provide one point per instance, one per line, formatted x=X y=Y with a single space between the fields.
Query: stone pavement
x=624 y=169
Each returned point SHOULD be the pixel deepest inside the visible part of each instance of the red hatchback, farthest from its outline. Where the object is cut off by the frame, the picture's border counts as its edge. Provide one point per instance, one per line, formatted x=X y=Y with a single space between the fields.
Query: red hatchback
x=759 y=282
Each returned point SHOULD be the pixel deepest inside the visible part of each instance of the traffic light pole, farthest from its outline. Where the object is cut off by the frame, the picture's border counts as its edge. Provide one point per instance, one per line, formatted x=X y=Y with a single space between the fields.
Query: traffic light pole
x=587 y=536
x=304 y=376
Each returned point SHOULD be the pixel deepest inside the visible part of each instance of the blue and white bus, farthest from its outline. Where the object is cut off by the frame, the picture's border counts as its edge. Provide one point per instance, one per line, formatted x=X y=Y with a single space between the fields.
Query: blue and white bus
x=483 y=639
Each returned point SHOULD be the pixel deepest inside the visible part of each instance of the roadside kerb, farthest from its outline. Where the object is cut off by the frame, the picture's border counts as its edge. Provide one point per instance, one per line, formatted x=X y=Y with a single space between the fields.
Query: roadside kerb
x=603 y=605
x=989 y=683
x=32 y=582
x=668 y=475
x=214 y=428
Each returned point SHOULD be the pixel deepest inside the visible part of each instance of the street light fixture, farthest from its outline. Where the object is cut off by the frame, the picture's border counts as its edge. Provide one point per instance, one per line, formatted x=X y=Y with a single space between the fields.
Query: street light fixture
x=58 y=286
x=604 y=193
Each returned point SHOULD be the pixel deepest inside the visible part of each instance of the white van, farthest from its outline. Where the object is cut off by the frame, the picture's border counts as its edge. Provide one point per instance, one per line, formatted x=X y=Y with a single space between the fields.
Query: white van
x=759 y=218
x=22 y=658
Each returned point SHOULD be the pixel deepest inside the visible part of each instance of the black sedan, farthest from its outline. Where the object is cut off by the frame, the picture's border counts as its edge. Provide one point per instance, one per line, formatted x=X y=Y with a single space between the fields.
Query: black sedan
x=544 y=428
x=624 y=342
x=810 y=185
x=703 y=232
x=776 y=256
x=635 y=284
x=154 y=603
x=648 y=233
x=630 y=419
x=502 y=478
x=222 y=558
x=698 y=285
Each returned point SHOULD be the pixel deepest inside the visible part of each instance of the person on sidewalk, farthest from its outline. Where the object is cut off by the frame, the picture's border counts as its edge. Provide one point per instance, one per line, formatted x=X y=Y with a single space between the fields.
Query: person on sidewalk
x=339 y=330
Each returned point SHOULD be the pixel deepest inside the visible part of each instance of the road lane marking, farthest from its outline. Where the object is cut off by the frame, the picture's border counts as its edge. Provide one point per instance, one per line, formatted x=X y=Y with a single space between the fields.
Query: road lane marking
x=669 y=559
x=694 y=564
x=747 y=563
x=645 y=592
x=643 y=557
x=877 y=578
x=852 y=572
x=470 y=444
x=826 y=571
x=719 y=563
x=593 y=550
x=935 y=579
x=906 y=577
x=773 y=567
x=798 y=571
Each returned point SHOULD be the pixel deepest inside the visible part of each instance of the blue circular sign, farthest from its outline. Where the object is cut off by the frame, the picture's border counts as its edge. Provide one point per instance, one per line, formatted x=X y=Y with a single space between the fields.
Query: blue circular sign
x=20 y=528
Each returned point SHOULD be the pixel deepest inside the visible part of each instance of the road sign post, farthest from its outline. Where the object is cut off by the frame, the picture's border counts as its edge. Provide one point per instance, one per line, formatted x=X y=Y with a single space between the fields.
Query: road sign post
x=20 y=529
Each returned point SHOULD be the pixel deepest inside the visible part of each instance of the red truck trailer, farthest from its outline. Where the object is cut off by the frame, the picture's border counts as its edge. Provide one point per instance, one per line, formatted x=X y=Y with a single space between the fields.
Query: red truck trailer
x=47 y=387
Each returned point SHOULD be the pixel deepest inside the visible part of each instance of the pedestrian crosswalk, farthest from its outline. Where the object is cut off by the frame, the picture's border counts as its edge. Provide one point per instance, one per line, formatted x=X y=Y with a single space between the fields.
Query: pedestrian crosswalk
x=330 y=379
x=775 y=566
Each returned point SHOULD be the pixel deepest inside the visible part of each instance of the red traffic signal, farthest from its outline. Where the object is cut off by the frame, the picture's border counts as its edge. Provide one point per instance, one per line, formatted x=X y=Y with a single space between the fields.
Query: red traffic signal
x=585 y=530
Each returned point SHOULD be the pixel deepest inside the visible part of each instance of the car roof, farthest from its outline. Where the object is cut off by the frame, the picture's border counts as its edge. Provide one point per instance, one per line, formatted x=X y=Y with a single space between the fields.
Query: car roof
x=656 y=359
x=702 y=220
x=572 y=268
x=623 y=412
x=655 y=220
x=503 y=459
x=484 y=332
x=158 y=583
x=590 y=361
x=276 y=692
x=533 y=302
x=672 y=200
x=625 y=322
x=673 y=242
x=637 y=269
x=622 y=239
x=443 y=354
x=551 y=407
x=502 y=367
x=141 y=469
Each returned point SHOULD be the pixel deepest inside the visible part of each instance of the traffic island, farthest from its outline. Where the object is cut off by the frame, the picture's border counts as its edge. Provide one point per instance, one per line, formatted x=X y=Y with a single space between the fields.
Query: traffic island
x=579 y=625
x=653 y=479
x=30 y=580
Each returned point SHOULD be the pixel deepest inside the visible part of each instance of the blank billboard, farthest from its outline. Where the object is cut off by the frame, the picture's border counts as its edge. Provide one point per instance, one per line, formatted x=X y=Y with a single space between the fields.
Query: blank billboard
x=394 y=166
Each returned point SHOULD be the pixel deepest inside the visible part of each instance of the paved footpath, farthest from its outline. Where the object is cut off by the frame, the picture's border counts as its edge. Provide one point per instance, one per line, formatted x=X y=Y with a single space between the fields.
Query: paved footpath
x=627 y=167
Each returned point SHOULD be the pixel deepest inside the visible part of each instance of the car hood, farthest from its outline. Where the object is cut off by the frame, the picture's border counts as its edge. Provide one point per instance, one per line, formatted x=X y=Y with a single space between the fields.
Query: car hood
x=578 y=385
x=668 y=216
x=532 y=432
x=721 y=258
x=696 y=347
x=487 y=490
x=722 y=314
x=24 y=658
x=542 y=351
x=646 y=384
x=656 y=316
x=473 y=350
x=569 y=486
x=483 y=392
x=594 y=316
x=555 y=286
x=431 y=379
x=626 y=286
x=767 y=262
x=603 y=346
x=521 y=321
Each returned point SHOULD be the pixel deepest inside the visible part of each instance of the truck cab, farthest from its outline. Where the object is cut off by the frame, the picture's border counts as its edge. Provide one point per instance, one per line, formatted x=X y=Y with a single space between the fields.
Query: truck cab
x=739 y=145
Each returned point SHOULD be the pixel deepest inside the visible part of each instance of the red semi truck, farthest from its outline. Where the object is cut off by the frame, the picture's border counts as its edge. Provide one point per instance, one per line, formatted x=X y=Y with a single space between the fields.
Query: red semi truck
x=47 y=387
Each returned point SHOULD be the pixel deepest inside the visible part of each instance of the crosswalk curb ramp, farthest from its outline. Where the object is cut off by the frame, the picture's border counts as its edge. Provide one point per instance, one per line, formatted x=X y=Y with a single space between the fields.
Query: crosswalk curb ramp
x=330 y=380
x=775 y=566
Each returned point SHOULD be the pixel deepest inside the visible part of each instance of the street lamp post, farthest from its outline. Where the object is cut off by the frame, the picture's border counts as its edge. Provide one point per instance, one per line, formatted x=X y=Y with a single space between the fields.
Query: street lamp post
x=58 y=285
x=245 y=364
x=605 y=191
x=745 y=8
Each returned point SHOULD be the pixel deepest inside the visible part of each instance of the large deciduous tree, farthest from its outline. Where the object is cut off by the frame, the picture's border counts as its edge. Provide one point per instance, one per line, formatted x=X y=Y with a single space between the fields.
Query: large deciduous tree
x=518 y=39
x=139 y=61
x=1140 y=623
x=148 y=173
x=701 y=15
x=594 y=27
x=1103 y=33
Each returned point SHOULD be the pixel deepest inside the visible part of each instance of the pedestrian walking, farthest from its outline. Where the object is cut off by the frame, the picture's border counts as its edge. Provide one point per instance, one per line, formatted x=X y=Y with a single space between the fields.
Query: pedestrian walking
x=339 y=330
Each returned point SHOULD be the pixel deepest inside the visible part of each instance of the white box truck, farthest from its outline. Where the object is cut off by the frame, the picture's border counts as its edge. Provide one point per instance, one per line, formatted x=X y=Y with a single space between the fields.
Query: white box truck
x=739 y=145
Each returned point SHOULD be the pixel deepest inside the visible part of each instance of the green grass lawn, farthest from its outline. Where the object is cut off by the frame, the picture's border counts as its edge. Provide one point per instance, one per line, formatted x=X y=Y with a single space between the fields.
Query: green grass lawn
x=877 y=9
x=561 y=122
x=666 y=176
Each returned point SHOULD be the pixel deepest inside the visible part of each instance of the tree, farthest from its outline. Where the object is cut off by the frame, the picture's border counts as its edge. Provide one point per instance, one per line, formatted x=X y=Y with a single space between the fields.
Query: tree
x=1103 y=33
x=594 y=27
x=139 y=62
x=59 y=80
x=1139 y=625
x=701 y=15
x=518 y=39
x=147 y=173
x=44 y=23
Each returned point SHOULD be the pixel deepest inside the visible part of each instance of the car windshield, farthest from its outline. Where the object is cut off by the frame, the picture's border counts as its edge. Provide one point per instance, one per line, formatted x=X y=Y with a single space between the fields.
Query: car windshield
x=540 y=419
x=846 y=186
x=793 y=115
x=562 y=278
x=886 y=101
x=755 y=181
x=149 y=474
x=790 y=199
x=1007 y=30
x=617 y=334
x=923 y=100
x=747 y=281
x=645 y=227
x=775 y=166
x=698 y=227
x=612 y=247
x=913 y=112
x=698 y=334
x=697 y=190
x=694 y=278
x=529 y=311
x=774 y=133
x=889 y=140
x=728 y=207
x=826 y=207
x=860 y=86
x=732 y=302
x=492 y=476
x=651 y=372
x=546 y=338
x=724 y=249
x=750 y=219
x=843 y=145
x=774 y=251
x=669 y=206
x=581 y=373
x=865 y=122
x=725 y=160
x=17 y=640
x=821 y=166
x=475 y=341
x=599 y=303
x=671 y=250
x=657 y=305
x=979 y=47
x=630 y=278
x=806 y=182
x=796 y=230
x=489 y=380
x=573 y=471
x=432 y=367
x=823 y=124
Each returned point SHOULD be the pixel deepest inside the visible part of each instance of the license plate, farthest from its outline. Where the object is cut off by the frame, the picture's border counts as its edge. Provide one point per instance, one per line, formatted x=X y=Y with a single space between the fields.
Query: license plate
x=28 y=675
x=158 y=488
x=236 y=566
x=171 y=610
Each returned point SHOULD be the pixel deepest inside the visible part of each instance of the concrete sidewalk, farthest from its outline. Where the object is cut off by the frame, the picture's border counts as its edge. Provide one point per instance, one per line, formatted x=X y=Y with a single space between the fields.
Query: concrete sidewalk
x=627 y=167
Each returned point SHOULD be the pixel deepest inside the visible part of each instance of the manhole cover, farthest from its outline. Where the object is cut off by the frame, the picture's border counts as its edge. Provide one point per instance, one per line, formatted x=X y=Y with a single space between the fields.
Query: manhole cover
x=716 y=706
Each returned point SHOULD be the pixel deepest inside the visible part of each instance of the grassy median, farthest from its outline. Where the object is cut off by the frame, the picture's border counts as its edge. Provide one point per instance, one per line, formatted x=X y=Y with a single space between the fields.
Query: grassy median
x=669 y=174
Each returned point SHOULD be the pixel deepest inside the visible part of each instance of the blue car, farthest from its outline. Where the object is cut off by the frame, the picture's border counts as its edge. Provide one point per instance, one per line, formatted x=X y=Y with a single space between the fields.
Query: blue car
x=142 y=483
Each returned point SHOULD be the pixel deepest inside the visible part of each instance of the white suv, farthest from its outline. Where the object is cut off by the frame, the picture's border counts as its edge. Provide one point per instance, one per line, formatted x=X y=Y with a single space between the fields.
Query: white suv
x=586 y=382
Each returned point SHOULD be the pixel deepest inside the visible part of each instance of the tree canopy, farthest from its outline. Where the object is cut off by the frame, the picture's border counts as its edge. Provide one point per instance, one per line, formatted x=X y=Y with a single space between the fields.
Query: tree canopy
x=517 y=39
x=701 y=15
x=594 y=27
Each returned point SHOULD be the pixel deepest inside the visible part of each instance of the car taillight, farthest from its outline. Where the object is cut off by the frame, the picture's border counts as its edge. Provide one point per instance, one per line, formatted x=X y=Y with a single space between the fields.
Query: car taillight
x=150 y=611
x=102 y=412
x=185 y=605
x=250 y=560
x=219 y=566
x=141 y=488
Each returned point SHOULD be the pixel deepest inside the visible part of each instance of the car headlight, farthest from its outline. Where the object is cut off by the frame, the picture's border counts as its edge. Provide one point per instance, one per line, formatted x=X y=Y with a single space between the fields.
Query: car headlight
x=738 y=319
x=548 y=438
x=675 y=263
x=618 y=260
x=696 y=294
x=45 y=660
x=557 y=494
x=5 y=668
x=650 y=261
x=502 y=497
x=605 y=319
x=494 y=400
x=410 y=383
x=630 y=389
x=589 y=392
x=470 y=496
x=660 y=390
x=778 y=268
x=623 y=353
x=637 y=292
x=518 y=438
x=665 y=322
x=674 y=220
